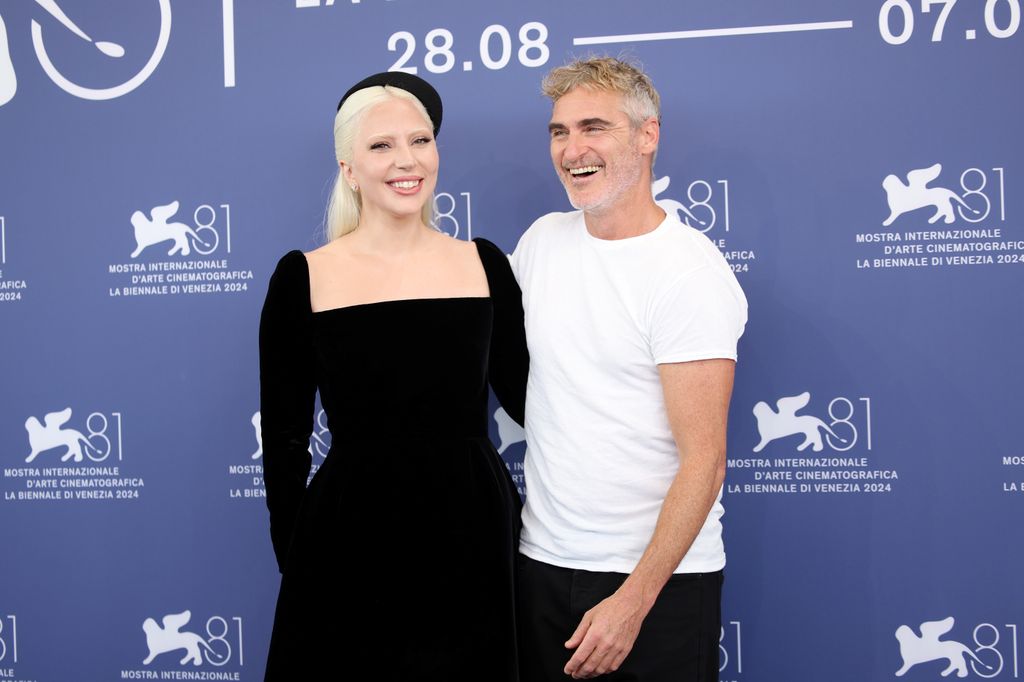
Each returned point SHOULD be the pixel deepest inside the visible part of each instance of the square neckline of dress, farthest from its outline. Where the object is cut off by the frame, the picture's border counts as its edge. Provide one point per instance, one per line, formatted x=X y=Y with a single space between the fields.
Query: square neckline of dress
x=425 y=299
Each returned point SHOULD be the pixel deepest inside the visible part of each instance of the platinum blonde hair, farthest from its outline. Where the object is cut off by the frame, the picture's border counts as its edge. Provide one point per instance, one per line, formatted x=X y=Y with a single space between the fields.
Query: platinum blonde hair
x=345 y=205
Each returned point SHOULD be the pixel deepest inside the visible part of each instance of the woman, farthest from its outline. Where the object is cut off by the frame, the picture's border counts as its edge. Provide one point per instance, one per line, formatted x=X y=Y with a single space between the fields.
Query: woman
x=397 y=559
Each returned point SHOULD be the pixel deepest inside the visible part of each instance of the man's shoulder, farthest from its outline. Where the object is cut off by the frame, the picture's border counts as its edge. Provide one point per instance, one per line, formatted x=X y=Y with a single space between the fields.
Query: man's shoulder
x=547 y=226
x=685 y=234
x=686 y=248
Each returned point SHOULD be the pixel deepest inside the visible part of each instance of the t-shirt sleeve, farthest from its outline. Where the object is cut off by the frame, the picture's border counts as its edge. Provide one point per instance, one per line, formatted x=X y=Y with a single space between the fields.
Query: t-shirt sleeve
x=521 y=259
x=519 y=255
x=699 y=316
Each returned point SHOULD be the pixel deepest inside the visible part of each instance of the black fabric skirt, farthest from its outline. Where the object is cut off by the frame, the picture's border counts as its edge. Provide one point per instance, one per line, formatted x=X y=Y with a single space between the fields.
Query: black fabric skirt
x=401 y=567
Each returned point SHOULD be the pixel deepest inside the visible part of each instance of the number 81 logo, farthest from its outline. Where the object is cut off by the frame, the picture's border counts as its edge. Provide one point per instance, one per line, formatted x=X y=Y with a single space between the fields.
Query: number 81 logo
x=446 y=215
x=103 y=440
x=9 y=639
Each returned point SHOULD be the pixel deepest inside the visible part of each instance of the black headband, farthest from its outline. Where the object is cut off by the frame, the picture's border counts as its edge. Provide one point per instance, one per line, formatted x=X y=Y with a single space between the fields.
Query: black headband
x=414 y=85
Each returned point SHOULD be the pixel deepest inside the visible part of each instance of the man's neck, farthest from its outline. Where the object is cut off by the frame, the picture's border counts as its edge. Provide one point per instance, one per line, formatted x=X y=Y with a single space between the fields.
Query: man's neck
x=625 y=219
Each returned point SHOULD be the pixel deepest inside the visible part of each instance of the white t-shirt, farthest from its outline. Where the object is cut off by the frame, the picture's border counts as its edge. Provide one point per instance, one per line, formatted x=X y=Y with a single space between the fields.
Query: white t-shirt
x=601 y=315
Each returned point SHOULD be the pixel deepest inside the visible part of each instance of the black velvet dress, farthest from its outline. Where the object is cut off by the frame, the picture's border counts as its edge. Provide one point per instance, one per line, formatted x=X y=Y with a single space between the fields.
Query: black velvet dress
x=398 y=560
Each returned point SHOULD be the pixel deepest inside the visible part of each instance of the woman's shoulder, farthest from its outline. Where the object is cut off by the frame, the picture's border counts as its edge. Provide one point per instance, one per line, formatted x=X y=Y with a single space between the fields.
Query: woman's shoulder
x=324 y=250
x=496 y=265
x=488 y=249
x=292 y=259
x=291 y=266
x=328 y=257
x=462 y=255
x=291 y=277
x=288 y=290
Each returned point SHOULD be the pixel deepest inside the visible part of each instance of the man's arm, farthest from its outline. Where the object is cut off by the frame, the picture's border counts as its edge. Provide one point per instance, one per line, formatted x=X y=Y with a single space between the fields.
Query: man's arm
x=697 y=399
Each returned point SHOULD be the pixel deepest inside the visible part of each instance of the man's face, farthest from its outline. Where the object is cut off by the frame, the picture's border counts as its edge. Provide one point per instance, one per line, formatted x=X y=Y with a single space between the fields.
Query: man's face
x=595 y=149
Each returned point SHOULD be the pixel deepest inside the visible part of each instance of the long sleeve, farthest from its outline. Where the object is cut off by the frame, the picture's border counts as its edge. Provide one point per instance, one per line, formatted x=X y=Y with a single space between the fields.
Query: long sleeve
x=287 y=395
x=509 y=357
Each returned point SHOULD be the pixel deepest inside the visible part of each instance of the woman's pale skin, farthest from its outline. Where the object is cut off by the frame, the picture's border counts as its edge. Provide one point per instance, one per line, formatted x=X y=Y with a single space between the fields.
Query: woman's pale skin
x=392 y=254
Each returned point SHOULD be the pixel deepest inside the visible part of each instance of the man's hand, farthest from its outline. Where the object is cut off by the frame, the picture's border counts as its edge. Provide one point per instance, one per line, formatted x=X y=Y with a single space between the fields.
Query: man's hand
x=605 y=635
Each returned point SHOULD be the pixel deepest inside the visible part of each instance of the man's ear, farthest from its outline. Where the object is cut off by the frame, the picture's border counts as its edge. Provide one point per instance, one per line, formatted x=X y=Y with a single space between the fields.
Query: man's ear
x=649 y=134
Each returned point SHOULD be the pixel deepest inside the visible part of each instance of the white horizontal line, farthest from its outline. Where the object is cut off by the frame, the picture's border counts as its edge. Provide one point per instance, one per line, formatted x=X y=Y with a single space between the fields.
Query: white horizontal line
x=714 y=32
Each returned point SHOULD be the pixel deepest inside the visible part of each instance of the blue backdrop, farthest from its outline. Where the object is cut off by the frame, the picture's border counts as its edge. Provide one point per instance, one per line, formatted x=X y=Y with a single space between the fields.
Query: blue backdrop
x=859 y=163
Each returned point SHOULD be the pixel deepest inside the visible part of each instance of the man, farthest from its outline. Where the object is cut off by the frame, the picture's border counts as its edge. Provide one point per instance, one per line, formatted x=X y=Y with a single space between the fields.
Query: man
x=632 y=320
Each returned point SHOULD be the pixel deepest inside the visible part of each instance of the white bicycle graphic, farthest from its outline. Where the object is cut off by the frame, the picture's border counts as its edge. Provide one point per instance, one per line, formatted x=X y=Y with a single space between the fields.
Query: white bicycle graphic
x=9 y=81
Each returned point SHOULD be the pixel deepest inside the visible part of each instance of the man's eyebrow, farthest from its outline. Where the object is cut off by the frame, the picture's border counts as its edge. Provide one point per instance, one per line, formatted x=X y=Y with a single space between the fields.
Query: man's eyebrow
x=582 y=123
